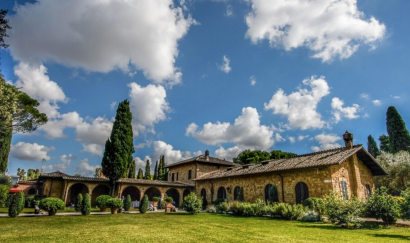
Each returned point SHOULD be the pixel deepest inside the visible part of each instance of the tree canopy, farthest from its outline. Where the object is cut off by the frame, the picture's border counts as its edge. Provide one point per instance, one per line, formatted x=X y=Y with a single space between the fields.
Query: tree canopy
x=384 y=143
x=398 y=133
x=398 y=168
x=372 y=146
x=256 y=156
x=4 y=25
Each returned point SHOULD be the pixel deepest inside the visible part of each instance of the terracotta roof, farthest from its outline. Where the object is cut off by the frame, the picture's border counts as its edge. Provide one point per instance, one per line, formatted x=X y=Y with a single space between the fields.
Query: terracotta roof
x=203 y=159
x=317 y=159
x=58 y=174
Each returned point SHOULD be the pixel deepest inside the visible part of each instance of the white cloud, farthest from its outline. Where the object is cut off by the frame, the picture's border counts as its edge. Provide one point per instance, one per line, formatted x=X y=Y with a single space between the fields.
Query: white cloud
x=144 y=36
x=229 y=153
x=300 y=137
x=300 y=107
x=326 y=141
x=197 y=153
x=229 y=11
x=329 y=28
x=113 y=105
x=92 y=148
x=30 y=151
x=148 y=106
x=253 y=80
x=246 y=132
x=140 y=164
x=66 y=159
x=364 y=96
x=279 y=138
x=85 y=169
x=395 y=97
x=55 y=128
x=292 y=139
x=348 y=112
x=96 y=132
x=225 y=65
x=377 y=102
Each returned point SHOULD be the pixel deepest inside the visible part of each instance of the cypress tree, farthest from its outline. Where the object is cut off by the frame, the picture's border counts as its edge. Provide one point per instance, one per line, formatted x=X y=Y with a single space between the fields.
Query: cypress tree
x=13 y=207
x=372 y=146
x=396 y=128
x=117 y=161
x=156 y=171
x=5 y=141
x=160 y=169
x=127 y=203
x=140 y=174
x=144 y=204
x=147 y=175
x=86 y=205
x=79 y=203
x=384 y=143
x=20 y=197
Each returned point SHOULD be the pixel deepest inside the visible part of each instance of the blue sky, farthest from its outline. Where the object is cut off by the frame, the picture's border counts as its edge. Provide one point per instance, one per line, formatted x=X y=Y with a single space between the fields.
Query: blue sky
x=219 y=75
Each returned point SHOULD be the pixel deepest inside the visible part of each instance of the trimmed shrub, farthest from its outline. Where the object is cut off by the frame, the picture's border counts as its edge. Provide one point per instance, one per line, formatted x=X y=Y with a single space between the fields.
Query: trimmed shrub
x=192 y=204
x=144 y=204
x=383 y=206
x=127 y=203
x=169 y=199
x=317 y=205
x=155 y=199
x=86 y=207
x=101 y=201
x=4 y=192
x=223 y=207
x=236 y=209
x=405 y=205
x=51 y=204
x=311 y=216
x=343 y=212
x=115 y=203
x=79 y=202
x=30 y=201
x=211 y=209
x=13 y=207
x=20 y=200
x=248 y=210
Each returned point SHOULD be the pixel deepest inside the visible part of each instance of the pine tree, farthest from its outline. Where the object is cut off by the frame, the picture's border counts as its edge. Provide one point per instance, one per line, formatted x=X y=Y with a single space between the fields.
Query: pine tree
x=147 y=175
x=384 y=143
x=140 y=174
x=156 y=171
x=117 y=161
x=396 y=128
x=372 y=146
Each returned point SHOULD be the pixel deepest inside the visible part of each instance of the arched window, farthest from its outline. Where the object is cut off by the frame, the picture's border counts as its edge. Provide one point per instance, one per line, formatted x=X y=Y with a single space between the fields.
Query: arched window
x=302 y=192
x=271 y=194
x=238 y=194
x=221 y=193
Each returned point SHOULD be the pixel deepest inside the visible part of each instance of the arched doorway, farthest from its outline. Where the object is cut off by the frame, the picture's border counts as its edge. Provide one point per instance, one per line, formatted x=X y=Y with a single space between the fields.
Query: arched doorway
x=174 y=194
x=31 y=191
x=302 y=192
x=204 y=201
x=75 y=190
x=133 y=192
x=271 y=194
x=186 y=193
x=152 y=192
x=221 y=193
x=98 y=191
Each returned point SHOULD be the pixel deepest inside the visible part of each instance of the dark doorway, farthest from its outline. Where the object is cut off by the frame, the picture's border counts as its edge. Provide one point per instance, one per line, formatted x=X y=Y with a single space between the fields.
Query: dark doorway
x=271 y=194
x=31 y=191
x=302 y=192
x=174 y=194
x=204 y=201
x=221 y=193
x=98 y=191
x=186 y=193
x=75 y=190
x=152 y=192
x=133 y=192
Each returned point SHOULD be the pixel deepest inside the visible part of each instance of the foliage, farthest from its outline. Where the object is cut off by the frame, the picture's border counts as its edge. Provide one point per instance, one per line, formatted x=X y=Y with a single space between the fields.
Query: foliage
x=169 y=199
x=256 y=156
x=398 y=169
x=343 y=212
x=222 y=207
x=21 y=200
x=33 y=174
x=22 y=174
x=156 y=171
x=287 y=211
x=278 y=154
x=140 y=174
x=5 y=143
x=86 y=207
x=3 y=27
x=405 y=205
x=127 y=203
x=211 y=209
x=101 y=201
x=384 y=143
x=396 y=128
x=155 y=199
x=30 y=201
x=192 y=204
x=372 y=146
x=98 y=172
x=161 y=168
x=79 y=202
x=117 y=160
x=147 y=175
x=4 y=192
x=317 y=205
x=52 y=204
x=14 y=206
x=218 y=201
x=311 y=216
x=383 y=206
x=115 y=203
x=144 y=204
x=5 y=180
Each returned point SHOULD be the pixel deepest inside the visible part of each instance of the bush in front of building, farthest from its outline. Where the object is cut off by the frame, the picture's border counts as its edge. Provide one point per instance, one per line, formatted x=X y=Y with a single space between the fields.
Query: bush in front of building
x=382 y=205
x=16 y=204
x=86 y=207
x=222 y=207
x=310 y=216
x=345 y=213
x=101 y=202
x=4 y=192
x=144 y=204
x=192 y=204
x=287 y=211
x=21 y=201
x=52 y=205
x=211 y=209
x=79 y=202
x=30 y=201
x=127 y=203
x=405 y=205
x=316 y=205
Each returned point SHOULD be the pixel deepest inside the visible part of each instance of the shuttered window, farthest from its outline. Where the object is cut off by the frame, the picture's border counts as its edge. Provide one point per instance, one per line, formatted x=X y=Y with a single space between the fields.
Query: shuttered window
x=343 y=184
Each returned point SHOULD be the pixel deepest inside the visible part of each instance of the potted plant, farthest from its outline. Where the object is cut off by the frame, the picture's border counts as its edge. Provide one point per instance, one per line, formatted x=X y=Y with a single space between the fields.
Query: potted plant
x=169 y=200
x=52 y=204
x=101 y=202
x=155 y=201
x=115 y=204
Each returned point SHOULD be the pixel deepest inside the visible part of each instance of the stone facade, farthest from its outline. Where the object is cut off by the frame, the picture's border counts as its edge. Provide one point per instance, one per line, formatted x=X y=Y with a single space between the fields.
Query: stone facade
x=197 y=169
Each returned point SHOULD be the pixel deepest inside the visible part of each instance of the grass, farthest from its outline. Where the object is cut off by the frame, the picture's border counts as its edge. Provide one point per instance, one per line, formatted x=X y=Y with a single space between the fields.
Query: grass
x=181 y=227
x=31 y=210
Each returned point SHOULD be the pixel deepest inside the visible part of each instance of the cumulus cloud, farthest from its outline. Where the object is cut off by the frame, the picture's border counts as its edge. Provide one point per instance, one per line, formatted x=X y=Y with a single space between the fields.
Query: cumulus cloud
x=148 y=106
x=301 y=137
x=85 y=169
x=347 y=112
x=229 y=153
x=144 y=36
x=96 y=149
x=55 y=128
x=292 y=139
x=364 y=96
x=246 y=132
x=330 y=28
x=300 y=107
x=377 y=102
x=93 y=135
x=225 y=65
x=113 y=105
x=30 y=151
x=66 y=159
x=326 y=141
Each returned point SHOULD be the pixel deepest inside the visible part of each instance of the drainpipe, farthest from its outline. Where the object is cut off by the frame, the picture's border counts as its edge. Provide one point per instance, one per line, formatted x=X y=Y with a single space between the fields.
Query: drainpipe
x=281 y=183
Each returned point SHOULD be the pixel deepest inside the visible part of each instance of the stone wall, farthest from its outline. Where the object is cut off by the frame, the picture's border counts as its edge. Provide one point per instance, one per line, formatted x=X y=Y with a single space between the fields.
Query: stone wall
x=197 y=169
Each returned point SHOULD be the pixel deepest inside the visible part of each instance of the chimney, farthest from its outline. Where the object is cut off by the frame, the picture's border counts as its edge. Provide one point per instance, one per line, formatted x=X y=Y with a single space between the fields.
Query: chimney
x=348 y=137
x=207 y=154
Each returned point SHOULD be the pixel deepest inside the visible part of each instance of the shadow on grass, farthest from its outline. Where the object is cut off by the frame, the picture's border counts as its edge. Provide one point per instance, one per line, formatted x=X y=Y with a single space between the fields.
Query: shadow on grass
x=366 y=225
x=399 y=237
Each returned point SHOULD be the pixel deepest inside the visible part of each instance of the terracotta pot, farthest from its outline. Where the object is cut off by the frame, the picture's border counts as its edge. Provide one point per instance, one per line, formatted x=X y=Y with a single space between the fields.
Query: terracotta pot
x=168 y=204
x=52 y=213
x=155 y=204
x=103 y=209
x=114 y=210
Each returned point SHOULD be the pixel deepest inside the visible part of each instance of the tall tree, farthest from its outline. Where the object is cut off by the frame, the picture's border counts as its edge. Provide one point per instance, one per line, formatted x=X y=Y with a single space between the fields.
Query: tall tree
x=156 y=171
x=372 y=146
x=117 y=161
x=256 y=156
x=396 y=128
x=147 y=175
x=384 y=143
x=140 y=174
x=160 y=169
x=3 y=28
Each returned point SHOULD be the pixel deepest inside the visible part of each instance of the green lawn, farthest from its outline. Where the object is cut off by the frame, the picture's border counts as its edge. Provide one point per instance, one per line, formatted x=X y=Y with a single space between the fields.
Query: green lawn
x=181 y=227
x=31 y=210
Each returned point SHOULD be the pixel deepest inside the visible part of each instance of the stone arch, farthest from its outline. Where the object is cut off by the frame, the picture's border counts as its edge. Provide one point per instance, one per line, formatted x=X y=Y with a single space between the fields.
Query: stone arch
x=152 y=192
x=31 y=191
x=172 y=192
x=271 y=194
x=75 y=189
x=98 y=191
x=221 y=193
x=185 y=193
x=133 y=191
x=301 y=192
x=204 y=201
